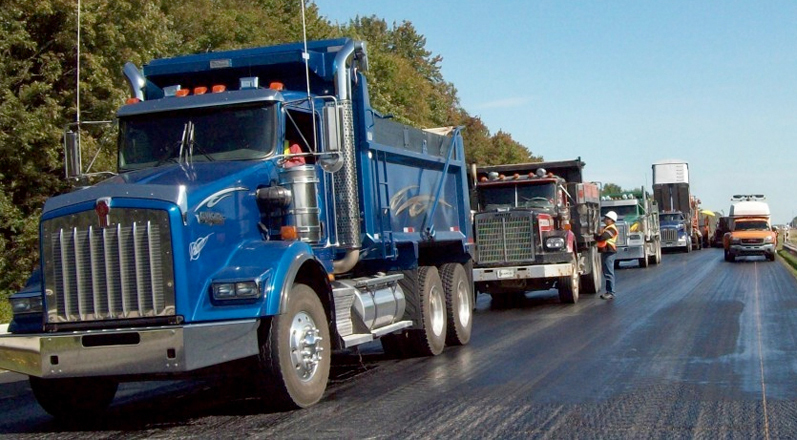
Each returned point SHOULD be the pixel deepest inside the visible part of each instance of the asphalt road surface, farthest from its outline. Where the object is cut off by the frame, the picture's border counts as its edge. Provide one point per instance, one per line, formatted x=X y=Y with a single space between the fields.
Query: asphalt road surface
x=693 y=348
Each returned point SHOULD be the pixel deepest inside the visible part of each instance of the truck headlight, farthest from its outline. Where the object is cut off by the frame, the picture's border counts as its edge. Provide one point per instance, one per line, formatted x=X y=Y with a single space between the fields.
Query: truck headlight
x=554 y=243
x=769 y=239
x=24 y=305
x=226 y=291
x=735 y=241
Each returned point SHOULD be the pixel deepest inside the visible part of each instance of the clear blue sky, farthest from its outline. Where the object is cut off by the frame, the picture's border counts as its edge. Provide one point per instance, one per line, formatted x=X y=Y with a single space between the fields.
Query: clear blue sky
x=623 y=84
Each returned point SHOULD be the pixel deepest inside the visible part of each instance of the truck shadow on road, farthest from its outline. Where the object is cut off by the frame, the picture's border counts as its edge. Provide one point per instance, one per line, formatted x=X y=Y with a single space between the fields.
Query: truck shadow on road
x=148 y=405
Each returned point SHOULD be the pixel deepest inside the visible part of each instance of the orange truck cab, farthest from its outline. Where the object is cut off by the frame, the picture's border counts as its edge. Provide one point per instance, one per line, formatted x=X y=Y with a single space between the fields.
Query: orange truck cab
x=750 y=229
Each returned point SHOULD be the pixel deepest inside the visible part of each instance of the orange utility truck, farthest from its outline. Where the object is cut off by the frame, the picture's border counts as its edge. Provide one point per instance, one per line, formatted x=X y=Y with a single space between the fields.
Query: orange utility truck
x=750 y=229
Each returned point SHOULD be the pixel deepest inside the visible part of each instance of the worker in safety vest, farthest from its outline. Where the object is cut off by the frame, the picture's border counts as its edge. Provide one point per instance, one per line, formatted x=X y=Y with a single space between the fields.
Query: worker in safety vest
x=607 y=246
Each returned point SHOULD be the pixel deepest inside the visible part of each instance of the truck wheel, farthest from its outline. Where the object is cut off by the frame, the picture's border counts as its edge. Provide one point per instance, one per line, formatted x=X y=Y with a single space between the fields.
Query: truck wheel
x=74 y=399
x=458 y=303
x=295 y=351
x=591 y=282
x=729 y=257
x=643 y=262
x=569 y=286
x=428 y=302
x=771 y=257
x=658 y=252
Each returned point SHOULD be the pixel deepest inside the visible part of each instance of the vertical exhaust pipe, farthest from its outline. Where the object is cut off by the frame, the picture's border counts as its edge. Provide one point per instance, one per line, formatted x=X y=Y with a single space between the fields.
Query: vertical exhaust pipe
x=135 y=80
x=347 y=204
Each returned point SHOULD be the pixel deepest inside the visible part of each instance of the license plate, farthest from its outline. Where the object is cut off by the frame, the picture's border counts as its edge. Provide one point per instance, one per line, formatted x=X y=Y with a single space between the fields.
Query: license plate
x=506 y=273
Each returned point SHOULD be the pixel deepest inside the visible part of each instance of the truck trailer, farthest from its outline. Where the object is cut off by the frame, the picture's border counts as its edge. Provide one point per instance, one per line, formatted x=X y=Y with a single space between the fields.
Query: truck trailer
x=263 y=214
x=535 y=225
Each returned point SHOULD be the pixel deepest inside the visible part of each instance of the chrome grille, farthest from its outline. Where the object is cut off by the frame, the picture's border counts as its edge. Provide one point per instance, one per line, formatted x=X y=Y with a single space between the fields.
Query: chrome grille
x=505 y=238
x=752 y=241
x=669 y=235
x=118 y=272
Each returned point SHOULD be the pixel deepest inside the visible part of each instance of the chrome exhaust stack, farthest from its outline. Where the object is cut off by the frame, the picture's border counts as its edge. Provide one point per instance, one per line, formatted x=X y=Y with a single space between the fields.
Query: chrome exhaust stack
x=347 y=204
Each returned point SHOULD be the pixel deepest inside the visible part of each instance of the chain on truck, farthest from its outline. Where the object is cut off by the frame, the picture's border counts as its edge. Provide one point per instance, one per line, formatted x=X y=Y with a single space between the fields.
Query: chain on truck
x=252 y=221
x=535 y=228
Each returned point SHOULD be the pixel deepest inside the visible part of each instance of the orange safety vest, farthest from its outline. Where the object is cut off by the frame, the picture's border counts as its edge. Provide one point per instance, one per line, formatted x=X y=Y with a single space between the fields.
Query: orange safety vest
x=610 y=242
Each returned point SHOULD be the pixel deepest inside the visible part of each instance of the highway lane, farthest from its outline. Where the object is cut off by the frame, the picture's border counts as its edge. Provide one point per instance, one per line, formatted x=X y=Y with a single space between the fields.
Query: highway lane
x=693 y=348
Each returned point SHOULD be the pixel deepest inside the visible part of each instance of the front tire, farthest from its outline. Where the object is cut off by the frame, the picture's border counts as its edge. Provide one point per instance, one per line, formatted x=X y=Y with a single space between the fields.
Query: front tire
x=295 y=351
x=459 y=308
x=74 y=399
x=591 y=282
x=569 y=286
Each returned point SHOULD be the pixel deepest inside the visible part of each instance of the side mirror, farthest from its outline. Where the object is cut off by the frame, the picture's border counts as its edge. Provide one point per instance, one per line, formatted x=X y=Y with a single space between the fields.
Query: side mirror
x=73 y=165
x=330 y=162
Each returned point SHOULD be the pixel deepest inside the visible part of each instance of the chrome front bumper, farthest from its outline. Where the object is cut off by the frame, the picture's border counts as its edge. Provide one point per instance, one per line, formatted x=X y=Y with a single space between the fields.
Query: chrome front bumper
x=630 y=252
x=523 y=272
x=150 y=350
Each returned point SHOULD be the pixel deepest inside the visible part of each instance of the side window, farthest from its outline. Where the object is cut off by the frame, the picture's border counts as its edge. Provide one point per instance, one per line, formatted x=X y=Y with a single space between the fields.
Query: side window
x=299 y=131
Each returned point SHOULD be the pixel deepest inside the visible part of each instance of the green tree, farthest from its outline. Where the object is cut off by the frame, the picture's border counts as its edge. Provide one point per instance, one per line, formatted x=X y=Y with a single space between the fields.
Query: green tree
x=38 y=79
x=611 y=189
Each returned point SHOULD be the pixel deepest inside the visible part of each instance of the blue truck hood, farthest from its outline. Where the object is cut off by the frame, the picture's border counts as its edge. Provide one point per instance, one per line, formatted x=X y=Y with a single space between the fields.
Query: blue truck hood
x=185 y=186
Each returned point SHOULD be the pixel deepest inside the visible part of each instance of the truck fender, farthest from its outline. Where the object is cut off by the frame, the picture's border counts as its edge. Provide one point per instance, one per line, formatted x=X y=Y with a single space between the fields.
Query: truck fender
x=275 y=264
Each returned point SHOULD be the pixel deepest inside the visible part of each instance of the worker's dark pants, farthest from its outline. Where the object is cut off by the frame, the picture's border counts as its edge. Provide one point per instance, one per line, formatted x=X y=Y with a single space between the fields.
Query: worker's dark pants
x=608 y=269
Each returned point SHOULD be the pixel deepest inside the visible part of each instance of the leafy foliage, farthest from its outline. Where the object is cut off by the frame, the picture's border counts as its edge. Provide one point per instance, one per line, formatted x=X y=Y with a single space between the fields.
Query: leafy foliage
x=38 y=79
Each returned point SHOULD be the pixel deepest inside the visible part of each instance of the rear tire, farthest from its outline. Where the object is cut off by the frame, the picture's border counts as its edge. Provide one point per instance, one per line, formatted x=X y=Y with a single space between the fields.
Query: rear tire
x=426 y=305
x=459 y=307
x=295 y=352
x=74 y=399
x=569 y=286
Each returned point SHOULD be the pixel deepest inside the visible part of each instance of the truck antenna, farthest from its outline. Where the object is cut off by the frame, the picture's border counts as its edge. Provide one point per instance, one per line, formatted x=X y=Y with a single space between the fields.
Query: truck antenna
x=306 y=57
x=77 y=61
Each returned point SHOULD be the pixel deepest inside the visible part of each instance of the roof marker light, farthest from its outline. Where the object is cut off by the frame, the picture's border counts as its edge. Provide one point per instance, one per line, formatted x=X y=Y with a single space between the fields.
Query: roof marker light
x=276 y=85
x=218 y=88
x=200 y=90
x=181 y=93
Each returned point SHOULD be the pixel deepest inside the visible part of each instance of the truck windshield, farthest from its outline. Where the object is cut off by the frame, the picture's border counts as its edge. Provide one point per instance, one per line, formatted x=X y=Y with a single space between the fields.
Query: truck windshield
x=621 y=211
x=671 y=218
x=239 y=133
x=518 y=196
x=751 y=225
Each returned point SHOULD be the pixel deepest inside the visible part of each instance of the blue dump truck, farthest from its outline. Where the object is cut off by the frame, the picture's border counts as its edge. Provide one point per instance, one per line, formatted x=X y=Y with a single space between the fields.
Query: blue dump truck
x=263 y=215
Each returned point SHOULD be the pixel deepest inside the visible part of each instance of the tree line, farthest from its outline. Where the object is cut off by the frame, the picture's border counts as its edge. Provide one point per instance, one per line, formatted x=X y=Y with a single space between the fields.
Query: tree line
x=38 y=84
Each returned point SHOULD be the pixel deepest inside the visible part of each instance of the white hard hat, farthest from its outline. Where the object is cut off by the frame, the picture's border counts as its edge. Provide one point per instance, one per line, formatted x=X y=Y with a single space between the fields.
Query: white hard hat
x=612 y=215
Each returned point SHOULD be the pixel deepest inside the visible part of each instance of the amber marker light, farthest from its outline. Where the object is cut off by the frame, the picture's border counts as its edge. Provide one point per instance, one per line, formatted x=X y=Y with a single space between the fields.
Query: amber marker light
x=200 y=90
x=218 y=88
x=289 y=233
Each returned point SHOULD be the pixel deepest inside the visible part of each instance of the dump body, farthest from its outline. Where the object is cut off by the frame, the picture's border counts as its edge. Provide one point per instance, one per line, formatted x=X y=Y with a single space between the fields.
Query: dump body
x=678 y=207
x=238 y=189
x=535 y=227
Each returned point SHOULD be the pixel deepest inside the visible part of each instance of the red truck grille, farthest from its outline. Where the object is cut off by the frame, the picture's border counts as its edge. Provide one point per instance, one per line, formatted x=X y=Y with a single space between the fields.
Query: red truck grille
x=505 y=238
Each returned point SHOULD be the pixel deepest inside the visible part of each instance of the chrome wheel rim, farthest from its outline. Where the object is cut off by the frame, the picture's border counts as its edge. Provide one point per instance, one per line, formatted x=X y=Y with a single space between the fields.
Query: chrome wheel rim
x=464 y=303
x=436 y=304
x=306 y=349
